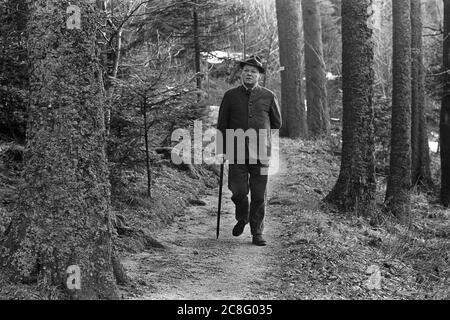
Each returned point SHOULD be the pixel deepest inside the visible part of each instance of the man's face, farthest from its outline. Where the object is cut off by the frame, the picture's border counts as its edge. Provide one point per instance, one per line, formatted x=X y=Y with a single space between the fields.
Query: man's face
x=250 y=75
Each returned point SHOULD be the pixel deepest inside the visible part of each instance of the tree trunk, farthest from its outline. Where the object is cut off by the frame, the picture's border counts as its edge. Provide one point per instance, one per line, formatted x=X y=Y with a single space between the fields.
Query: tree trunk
x=197 y=48
x=399 y=180
x=444 y=126
x=289 y=34
x=356 y=185
x=316 y=83
x=13 y=68
x=420 y=151
x=109 y=56
x=244 y=39
x=63 y=216
x=111 y=76
x=268 y=56
x=147 y=150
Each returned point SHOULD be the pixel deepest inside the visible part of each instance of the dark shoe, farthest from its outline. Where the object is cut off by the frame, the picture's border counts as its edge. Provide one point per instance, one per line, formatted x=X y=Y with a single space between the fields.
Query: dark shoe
x=239 y=228
x=259 y=240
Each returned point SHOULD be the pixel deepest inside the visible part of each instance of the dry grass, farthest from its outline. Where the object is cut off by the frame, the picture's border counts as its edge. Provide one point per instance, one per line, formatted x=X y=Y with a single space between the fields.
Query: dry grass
x=329 y=253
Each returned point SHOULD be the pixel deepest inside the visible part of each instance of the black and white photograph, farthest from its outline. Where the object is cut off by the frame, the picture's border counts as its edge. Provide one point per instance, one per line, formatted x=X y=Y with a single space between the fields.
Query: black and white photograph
x=231 y=157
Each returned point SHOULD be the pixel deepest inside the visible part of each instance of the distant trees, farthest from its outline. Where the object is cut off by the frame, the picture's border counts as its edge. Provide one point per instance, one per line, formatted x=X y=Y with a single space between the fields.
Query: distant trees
x=355 y=188
x=330 y=13
x=115 y=18
x=145 y=105
x=318 y=115
x=63 y=215
x=196 y=26
x=260 y=34
x=399 y=179
x=197 y=51
x=153 y=90
x=289 y=35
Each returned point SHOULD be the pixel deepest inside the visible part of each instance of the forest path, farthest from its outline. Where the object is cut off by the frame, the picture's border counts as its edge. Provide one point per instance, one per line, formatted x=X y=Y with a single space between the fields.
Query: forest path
x=313 y=252
x=196 y=265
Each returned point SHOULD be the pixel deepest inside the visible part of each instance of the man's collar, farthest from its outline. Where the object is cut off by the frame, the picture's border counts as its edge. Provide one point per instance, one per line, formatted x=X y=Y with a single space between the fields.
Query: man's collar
x=247 y=88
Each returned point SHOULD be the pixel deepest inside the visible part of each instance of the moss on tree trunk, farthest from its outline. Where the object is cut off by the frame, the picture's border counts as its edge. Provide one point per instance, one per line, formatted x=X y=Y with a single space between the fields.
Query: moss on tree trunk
x=63 y=217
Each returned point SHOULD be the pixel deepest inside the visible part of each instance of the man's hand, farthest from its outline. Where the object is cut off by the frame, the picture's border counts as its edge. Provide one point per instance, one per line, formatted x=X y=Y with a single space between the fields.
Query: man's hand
x=220 y=158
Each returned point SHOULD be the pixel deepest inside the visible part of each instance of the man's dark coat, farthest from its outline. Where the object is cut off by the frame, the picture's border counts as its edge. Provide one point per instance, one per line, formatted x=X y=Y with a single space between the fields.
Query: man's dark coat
x=245 y=109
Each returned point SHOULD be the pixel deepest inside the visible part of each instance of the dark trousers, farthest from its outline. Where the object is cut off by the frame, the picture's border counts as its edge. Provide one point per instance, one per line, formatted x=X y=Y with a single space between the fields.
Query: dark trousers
x=243 y=178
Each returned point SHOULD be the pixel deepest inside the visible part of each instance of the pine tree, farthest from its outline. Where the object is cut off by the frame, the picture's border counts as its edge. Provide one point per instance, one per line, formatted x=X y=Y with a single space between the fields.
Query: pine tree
x=420 y=151
x=316 y=83
x=444 y=126
x=289 y=35
x=399 y=179
x=63 y=217
x=356 y=185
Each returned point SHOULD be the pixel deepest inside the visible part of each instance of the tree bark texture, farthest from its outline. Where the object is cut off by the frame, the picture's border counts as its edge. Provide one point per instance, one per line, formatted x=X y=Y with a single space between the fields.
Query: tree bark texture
x=289 y=34
x=13 y=70
x=444 y=126
x=355 y=188
x=420 y=151
x=63 y=217
x=147 y=150
x=318 y=116
x=399 y=180
x=197 y=49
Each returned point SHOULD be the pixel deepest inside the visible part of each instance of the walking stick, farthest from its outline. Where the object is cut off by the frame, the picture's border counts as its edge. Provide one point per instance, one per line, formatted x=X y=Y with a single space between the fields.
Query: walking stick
x=220 y=200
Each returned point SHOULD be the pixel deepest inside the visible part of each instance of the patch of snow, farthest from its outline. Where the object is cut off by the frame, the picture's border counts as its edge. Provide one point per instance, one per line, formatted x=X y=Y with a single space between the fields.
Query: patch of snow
x=331 y=76
x=216 y=57
x=433 y=146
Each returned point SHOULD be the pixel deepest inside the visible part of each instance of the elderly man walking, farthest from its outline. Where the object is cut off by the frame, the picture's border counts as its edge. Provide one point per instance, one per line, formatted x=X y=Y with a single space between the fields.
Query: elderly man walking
x=247 y=115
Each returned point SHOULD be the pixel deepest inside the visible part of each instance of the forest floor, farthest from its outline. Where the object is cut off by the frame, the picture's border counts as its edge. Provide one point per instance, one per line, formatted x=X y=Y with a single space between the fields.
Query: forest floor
x=313 y=252
x=169 y=248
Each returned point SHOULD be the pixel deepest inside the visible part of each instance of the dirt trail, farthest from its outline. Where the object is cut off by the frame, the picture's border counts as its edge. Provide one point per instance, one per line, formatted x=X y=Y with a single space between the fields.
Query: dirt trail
x=195 y=265
x=313 y=251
